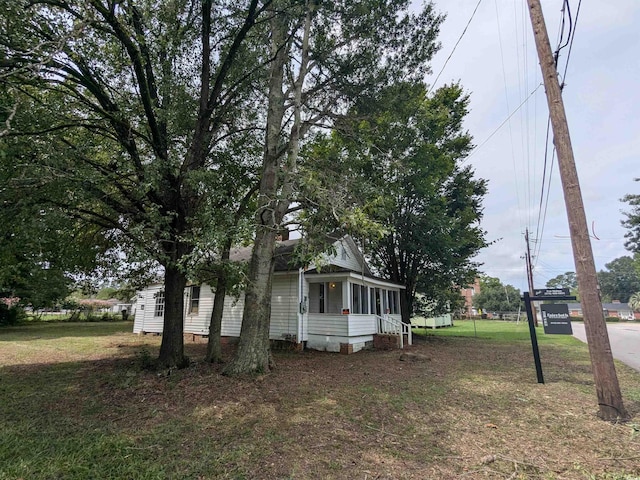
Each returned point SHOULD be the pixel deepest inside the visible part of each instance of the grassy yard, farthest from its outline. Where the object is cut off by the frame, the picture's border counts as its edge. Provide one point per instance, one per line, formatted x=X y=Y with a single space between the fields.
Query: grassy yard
x=75 y=403
x=498 y=331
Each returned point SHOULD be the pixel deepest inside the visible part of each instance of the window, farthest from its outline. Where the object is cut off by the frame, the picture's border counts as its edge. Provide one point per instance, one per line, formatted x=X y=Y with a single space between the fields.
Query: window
x=359 y=299
x=194 y=300
x=159 y=310
x=326 y=297
x=384 y=300
x=321 y=298
x=333 y=292
x=394 y=305
x=375 y=300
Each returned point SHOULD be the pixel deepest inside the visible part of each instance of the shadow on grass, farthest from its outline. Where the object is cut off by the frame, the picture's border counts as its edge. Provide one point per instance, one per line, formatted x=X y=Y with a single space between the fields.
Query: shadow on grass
x=52 y=330
x=318 y=415
x=110 y=419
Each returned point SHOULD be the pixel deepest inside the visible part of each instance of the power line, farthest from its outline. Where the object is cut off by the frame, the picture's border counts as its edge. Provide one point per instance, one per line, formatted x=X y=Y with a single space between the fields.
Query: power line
x=455 y=46
x=506 y=98
x=573 y=23
x=505 y=121
x=565 y=8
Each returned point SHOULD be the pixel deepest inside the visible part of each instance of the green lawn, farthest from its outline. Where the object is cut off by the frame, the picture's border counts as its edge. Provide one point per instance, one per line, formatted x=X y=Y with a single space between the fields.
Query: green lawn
x=497 y=330
x=76 y=403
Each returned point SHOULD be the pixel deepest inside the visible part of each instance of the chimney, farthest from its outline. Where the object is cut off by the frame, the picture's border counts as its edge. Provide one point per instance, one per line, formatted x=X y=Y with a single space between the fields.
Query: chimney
x=282 y=235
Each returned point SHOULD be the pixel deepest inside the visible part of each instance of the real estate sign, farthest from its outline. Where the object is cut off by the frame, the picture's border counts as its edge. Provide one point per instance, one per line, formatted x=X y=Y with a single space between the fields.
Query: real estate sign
x=551 y=292
x=555 y=319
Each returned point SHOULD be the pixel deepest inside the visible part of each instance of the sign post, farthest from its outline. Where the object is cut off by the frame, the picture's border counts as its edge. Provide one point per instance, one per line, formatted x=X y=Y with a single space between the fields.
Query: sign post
x=559 y=322
x=534 y=338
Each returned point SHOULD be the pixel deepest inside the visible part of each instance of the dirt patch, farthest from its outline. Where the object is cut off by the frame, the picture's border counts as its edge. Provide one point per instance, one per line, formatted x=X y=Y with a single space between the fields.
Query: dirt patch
x=467 y=409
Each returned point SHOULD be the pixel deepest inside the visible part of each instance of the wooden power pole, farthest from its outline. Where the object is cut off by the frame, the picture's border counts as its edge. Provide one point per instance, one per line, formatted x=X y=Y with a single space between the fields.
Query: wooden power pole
x=530 y=276
x=610 y=402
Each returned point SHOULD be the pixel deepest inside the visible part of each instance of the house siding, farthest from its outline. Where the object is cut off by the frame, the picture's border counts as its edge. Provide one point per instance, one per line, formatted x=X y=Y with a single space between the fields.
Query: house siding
x=362 y=325
x=326 y=331
x=349 y=260
x=284 y=306
x=333 y=343
x=232 y=316
x=198 y=323
x=323 y=324
x=145 y=320
x=304 y=316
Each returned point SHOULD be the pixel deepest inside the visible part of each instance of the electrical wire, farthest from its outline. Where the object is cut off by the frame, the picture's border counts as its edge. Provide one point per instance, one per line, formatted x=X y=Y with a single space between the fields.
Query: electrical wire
x=454 y=47
x=573 y=22
x=503 y=123
x=575 y=25
x=544 y=173
x=565 y=8
x=546 y=205
x=506 y=97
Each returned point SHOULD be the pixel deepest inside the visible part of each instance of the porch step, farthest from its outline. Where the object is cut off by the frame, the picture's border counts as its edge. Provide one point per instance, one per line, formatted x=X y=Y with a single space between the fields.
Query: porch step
x=388 y=341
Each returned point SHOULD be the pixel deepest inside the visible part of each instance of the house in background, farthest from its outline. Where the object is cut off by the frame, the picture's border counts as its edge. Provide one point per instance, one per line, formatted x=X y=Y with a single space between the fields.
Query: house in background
x=616 y=310
x=336 y=304
x=468 y=293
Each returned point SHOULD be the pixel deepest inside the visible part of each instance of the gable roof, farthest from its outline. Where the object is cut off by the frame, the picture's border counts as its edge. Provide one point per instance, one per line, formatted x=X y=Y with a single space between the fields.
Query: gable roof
x=285 y=254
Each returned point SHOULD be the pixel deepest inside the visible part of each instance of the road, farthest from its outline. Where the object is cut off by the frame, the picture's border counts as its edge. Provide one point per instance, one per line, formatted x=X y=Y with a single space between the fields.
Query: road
x=624 y=339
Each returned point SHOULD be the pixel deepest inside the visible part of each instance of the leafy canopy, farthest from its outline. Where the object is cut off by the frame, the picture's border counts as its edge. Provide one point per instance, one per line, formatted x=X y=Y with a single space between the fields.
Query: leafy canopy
x=494 y=296
x=396 y=163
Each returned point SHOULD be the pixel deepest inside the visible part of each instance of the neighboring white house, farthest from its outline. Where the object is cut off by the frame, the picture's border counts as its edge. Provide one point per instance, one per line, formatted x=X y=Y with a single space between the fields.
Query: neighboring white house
x=335 y=305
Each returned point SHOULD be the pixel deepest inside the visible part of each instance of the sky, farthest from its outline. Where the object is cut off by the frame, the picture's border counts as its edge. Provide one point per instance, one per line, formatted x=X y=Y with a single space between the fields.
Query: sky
x=497 y=65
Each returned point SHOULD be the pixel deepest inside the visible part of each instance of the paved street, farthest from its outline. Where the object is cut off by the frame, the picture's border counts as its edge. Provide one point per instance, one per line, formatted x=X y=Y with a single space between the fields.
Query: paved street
x=624 y=338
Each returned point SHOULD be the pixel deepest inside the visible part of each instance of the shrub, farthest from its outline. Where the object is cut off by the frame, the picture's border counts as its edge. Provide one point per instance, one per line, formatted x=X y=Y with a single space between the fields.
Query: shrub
x=10 y=312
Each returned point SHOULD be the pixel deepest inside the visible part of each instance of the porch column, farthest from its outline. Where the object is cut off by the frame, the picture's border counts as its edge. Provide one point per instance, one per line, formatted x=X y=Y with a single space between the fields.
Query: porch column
x=302 y=307
x=346 y=294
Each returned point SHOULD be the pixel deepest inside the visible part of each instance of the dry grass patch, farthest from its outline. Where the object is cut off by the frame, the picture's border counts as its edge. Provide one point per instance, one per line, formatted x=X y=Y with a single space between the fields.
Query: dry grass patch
x=472 y=410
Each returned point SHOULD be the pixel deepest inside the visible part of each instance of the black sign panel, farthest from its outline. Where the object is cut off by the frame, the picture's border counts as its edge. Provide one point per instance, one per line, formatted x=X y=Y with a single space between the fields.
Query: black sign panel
x=555 y=319
x=551 y=292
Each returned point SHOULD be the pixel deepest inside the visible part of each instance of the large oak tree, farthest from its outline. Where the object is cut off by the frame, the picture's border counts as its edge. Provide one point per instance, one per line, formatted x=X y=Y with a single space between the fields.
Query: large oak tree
x=136 y=98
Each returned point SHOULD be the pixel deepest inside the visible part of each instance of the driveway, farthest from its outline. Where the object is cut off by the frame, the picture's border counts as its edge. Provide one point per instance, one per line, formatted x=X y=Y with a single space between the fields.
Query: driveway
x=624 y=339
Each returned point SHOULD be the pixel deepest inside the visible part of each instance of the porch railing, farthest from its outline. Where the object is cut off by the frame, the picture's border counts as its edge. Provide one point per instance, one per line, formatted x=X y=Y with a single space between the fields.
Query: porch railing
x=393 y=326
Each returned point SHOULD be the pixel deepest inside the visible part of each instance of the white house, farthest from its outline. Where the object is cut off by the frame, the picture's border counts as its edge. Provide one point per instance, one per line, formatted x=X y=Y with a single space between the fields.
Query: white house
x=334 y=305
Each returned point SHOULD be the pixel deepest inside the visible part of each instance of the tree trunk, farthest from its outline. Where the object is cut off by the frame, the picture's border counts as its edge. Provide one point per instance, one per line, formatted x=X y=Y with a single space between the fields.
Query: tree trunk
x=406 y=305
x=172 y=346
x=253 y=355
x=214 y=347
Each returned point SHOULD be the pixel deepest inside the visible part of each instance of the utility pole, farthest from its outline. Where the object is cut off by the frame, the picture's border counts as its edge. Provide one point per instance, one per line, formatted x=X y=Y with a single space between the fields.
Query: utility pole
x=530 y=276
x=604 y=372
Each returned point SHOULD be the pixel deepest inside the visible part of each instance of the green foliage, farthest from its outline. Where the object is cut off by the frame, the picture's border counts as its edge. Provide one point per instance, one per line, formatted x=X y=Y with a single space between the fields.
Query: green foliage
x=128 y=113
x=620 y=280
x=496 y=297
x=634 y=302
x=632 y=222
x=565 y=280
x=397 y=162
x=106 y=293
x=10 y=312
